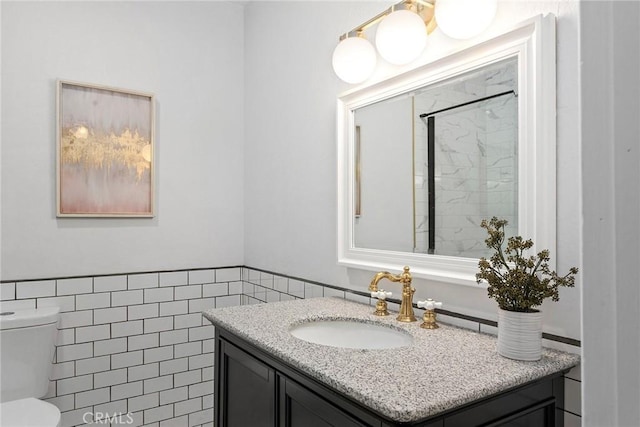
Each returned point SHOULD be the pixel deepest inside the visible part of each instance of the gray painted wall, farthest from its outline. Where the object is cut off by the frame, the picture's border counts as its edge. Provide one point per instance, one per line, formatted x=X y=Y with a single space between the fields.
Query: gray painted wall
x=611 y=226
x=191 y=57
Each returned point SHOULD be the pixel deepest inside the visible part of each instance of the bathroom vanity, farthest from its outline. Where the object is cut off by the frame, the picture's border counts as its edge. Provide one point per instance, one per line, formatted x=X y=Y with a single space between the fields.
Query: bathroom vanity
x=264 y=376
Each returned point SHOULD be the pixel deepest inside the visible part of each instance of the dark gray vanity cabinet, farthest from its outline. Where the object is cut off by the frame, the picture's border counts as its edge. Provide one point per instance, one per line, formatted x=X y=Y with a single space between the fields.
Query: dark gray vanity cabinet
x=254 y=389
x=299 y=406
x=245 y=388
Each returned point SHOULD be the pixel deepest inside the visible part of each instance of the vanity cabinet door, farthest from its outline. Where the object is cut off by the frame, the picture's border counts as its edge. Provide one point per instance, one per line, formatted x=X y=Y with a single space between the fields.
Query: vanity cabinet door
x=246 y=392
x=300 y=407
x=532 y=405
x=538 y=415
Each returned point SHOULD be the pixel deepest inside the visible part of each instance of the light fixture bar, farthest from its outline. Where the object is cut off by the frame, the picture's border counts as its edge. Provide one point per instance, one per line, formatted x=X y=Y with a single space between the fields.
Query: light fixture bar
x=404 y=4
x=359 y=29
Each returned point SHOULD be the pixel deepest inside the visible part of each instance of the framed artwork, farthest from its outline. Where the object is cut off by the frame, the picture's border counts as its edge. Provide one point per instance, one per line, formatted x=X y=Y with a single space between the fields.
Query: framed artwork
x=105 y=146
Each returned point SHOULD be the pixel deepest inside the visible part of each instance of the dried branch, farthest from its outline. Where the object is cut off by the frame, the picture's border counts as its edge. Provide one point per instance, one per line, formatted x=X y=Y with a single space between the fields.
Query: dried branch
x=517 y=282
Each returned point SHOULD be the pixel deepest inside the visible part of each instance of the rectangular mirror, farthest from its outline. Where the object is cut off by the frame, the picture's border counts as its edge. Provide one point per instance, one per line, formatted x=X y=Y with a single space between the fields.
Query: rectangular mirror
x=425 y=156
x=453 y=146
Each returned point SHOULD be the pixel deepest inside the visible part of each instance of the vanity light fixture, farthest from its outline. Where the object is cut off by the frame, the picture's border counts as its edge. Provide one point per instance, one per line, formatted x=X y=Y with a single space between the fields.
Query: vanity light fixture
x=402 y=32
x=354 y=59
x=465 y=19
x=401 y=37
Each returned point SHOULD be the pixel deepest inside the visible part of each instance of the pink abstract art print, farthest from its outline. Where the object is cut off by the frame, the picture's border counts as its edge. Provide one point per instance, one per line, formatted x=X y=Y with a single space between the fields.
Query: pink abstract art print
x=105 y=151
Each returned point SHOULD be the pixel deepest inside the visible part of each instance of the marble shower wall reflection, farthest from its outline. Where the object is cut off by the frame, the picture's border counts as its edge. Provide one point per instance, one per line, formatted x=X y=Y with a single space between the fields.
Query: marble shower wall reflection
x=471 y=175
x=475 y=165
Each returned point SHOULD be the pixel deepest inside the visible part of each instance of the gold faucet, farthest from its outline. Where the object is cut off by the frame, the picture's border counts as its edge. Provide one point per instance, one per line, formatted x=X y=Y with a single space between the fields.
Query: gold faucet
x=406 y=308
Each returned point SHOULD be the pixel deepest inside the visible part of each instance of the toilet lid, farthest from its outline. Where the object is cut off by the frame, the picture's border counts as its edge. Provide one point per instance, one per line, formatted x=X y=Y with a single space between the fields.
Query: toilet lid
x=29 y=412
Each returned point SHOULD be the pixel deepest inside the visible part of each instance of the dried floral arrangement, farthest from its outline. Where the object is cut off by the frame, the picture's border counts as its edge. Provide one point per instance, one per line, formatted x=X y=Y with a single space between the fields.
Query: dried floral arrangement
x=516 y=281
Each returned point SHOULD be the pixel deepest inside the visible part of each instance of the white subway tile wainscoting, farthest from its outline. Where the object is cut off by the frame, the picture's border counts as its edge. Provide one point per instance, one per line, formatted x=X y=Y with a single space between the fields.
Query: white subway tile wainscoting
x=137 y=344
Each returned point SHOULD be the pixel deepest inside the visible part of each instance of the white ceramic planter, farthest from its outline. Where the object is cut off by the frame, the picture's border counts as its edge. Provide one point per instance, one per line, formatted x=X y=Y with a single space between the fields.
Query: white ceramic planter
x=520 y=335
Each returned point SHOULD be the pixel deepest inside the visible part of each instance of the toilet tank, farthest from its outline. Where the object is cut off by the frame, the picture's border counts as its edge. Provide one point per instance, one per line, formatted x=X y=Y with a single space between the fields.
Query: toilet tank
x=27 y=345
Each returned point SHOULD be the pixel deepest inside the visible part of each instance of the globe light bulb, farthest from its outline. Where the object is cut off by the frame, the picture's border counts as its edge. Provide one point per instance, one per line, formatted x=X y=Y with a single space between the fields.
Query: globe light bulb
x=354 y=60
x=465 y=19
x=401 y=37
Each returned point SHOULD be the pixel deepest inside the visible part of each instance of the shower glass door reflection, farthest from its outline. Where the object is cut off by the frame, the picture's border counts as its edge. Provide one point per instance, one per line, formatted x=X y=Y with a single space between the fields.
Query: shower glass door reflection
x=466 y=170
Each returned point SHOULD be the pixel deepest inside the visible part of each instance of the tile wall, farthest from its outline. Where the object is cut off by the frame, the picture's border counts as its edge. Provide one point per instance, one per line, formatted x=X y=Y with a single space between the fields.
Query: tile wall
x=132 y=344
x=137 y=344
x=476 y=161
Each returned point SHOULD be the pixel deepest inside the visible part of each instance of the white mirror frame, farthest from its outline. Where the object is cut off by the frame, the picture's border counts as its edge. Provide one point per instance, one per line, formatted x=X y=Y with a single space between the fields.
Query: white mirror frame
x=533 y=43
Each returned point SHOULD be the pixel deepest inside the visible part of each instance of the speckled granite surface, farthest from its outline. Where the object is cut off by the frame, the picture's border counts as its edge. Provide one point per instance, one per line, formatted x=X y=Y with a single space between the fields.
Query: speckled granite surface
x=444 y=368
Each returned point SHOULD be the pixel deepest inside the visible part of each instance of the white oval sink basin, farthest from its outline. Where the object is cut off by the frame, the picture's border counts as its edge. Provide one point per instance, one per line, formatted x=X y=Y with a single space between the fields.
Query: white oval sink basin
x=351 y=334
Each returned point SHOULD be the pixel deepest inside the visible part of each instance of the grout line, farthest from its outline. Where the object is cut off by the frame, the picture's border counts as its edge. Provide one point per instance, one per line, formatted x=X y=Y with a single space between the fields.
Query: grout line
x=123 y=274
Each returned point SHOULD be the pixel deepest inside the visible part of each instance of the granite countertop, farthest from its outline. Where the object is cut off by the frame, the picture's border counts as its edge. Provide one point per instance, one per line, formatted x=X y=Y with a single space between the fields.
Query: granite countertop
x=442 y=369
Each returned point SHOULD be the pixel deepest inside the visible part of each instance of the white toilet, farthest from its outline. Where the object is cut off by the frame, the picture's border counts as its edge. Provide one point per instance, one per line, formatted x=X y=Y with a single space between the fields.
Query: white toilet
x=27 y=344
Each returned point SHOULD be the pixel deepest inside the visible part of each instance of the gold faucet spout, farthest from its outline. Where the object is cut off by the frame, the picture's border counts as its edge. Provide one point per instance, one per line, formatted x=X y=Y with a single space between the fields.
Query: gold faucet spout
x=406 y=307
x=373 y=286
